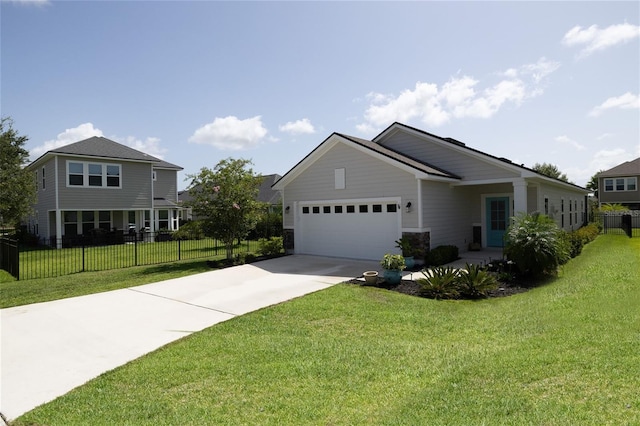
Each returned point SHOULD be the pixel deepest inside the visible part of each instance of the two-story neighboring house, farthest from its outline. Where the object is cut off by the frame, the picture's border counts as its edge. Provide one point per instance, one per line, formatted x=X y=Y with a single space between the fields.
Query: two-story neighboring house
x=100 y=184
x=619 y=185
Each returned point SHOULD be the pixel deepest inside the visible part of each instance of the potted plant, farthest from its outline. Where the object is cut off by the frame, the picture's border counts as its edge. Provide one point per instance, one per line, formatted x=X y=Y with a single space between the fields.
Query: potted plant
x=404 y=244
x=393 y=265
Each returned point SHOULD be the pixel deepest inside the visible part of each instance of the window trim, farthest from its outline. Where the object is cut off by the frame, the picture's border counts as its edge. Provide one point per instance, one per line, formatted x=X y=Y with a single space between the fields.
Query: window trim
x=627 y=182
x=86 y=175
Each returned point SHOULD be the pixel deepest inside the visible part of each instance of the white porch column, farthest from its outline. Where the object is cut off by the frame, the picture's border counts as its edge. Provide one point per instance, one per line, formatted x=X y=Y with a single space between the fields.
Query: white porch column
x=58 y=229
x=519 y=196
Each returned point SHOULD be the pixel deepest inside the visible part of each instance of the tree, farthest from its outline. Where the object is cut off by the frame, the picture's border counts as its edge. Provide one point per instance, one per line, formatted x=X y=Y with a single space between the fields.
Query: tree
x=592 y=185
x=550 y=170
x=226 y=197
x=17 y=188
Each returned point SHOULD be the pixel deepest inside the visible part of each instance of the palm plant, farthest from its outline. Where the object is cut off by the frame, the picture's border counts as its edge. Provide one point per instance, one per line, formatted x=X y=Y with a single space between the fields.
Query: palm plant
x=439 y=283
x=475 y=282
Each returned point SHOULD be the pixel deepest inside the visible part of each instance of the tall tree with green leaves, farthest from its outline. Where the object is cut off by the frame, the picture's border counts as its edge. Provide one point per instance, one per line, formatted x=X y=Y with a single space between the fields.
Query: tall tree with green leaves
x=550 y=170
x=226 y=199
x=17 y=186
x=592 y=185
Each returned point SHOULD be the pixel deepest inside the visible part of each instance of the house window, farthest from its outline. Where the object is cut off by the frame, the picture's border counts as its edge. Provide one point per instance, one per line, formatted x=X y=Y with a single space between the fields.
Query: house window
x=70 y=223
x=621 y=184
x=326 y=209
x=340 y=181
x=113 y=176
x=104 y=220
x=305 y=210
x=546 y=206
x=392 y=208
x=337 y=209
x=163 y=219
x=88 y=221
x=76 y=174
x=377 y=208
x=147 y=219
x=44 y=183
x=363 y=208
x=351 y=209
x=95 y=175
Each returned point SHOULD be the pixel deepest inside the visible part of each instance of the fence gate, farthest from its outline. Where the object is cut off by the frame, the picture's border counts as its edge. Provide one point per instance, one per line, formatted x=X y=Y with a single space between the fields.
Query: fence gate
x=627 y=222
x=10 y=257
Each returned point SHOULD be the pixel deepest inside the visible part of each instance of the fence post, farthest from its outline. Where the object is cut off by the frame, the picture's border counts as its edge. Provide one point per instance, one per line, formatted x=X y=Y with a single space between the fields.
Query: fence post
x=179 y=257
x=135 y=250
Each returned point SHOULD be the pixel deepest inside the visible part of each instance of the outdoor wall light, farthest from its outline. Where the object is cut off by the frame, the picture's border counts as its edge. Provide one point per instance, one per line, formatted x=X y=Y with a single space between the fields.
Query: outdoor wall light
x=408 y=206
x=286 y=210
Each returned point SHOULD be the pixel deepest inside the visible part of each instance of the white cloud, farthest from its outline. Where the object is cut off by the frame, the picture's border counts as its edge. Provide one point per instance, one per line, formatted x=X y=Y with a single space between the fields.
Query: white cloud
x=84 y=131
x=75 y=134
x=626 y=101
x=457 y=98
x=595 y=39
x=567 y=140
x=298 y=127
x=231 y=133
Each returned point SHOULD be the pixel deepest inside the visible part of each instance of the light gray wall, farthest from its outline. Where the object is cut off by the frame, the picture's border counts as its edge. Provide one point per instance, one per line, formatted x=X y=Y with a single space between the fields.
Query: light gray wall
x=556 y=195
x=366 y=177
x=134 y=194
x=166 y=185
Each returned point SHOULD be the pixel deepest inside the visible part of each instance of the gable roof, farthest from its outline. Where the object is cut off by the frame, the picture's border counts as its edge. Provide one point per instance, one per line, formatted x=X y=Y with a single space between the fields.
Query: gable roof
x=456 y=144
x=628 y=168
x=266 y=194
x=101 y=147
x=383 y=152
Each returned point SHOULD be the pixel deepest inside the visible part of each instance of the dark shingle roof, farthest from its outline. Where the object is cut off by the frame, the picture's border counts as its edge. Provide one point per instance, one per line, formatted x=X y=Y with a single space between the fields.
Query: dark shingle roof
x=629 y=168
x=265 y=193
x=402 y=158
x=100 y=147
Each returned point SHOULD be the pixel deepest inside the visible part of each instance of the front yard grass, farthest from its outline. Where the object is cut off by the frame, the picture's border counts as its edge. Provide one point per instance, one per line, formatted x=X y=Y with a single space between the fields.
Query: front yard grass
x=17 y=293
x=564 y=353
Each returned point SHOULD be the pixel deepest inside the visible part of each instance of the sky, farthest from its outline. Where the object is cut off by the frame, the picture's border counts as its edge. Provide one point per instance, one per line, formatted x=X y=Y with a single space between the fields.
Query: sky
x=195 y=82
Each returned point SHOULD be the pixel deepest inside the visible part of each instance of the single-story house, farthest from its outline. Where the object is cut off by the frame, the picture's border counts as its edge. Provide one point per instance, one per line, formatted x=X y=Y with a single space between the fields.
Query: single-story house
x=619 y=185
x=352 y=197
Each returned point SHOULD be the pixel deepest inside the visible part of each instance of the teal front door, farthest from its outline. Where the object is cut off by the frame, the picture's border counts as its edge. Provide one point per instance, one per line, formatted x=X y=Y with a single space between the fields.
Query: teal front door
x=497 y=220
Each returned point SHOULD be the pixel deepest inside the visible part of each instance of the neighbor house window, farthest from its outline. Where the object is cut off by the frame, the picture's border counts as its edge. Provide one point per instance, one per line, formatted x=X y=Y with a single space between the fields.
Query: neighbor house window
x=104 y=220
x=94 y=175
x=44 y=183
x=70 y=223
x=88 y=221
x=621 y=184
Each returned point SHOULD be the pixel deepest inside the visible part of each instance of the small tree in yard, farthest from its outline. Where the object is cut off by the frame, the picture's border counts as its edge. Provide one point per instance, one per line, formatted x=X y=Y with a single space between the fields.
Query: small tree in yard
x=535 y=244
x=17 y=186
x=226 y=198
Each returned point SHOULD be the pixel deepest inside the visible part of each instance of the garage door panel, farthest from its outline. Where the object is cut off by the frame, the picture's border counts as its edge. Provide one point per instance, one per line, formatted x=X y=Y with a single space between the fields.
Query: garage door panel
x=362 y=234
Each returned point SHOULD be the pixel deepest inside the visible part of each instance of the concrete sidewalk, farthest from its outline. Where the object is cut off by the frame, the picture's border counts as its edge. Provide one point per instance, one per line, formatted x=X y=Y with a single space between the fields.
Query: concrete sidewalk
x=50 y=348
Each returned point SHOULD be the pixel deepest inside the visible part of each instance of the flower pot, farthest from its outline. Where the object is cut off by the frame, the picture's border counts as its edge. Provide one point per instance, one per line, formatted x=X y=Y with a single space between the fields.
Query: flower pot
x=392 y=276
x=370 y=277
x=409 y=262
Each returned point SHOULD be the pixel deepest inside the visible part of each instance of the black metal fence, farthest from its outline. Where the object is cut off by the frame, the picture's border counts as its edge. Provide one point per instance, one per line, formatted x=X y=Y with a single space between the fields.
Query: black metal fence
x=622 y=222
x=47 y=258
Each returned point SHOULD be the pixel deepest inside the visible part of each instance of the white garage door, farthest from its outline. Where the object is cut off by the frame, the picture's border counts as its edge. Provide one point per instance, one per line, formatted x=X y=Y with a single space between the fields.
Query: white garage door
x=357 y=230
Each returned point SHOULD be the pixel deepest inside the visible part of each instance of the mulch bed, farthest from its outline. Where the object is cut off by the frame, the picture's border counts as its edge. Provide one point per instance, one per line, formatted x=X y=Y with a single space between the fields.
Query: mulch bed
x=412 y=288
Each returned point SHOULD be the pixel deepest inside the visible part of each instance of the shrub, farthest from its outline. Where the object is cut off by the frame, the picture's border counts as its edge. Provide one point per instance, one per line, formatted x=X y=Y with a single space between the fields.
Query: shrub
x=475 y=282
x=271 y=247
x=393 y=262
x=536 y=245
x=439 y=283
x=441 y=255
x=191 y=230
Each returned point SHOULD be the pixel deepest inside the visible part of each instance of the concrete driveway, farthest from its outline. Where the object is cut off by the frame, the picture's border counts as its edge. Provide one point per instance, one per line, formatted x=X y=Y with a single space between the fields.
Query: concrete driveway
x=50 y=348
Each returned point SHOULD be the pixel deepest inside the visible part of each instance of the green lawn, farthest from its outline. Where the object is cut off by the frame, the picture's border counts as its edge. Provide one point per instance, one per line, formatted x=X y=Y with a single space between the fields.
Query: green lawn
x=567 y=353
x=16 y=293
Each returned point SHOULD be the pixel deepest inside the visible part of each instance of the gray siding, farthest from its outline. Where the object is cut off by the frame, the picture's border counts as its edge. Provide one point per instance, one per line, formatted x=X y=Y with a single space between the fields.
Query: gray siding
x=559 y=198
x=447 y=157
x=449 y=213
x=366 y=177
x=166 y=185
x=46 y=198
x=134 y=194
x=613 y=197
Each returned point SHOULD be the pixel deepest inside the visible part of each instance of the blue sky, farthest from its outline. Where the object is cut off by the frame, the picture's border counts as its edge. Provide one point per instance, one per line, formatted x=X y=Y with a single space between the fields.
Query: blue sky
x=197 y=82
